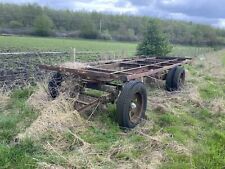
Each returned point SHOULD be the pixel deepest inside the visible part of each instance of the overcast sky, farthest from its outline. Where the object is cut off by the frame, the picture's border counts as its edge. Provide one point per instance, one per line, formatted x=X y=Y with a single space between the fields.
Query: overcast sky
x=202 y=11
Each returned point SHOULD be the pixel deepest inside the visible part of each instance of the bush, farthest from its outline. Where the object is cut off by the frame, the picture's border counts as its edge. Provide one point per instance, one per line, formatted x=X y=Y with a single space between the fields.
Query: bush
x=154 y=42
x=88 y=30
x=105 y=35
x=15 y=24
x=43 y=25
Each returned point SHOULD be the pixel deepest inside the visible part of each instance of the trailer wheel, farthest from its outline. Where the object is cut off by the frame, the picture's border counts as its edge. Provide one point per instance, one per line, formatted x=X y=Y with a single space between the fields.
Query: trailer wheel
x=175 y=78
x=54 y=84
x=131 y=104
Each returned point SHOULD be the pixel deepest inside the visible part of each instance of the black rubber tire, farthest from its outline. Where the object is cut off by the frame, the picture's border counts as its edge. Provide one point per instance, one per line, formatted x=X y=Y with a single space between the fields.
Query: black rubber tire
x=179 y=78
x=175 y=78
x=169 y=79
x=129 y=90
x=54 y=84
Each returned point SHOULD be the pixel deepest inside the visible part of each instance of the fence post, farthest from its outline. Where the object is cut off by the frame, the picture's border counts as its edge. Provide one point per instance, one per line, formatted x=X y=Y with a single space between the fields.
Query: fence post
x=74 y=54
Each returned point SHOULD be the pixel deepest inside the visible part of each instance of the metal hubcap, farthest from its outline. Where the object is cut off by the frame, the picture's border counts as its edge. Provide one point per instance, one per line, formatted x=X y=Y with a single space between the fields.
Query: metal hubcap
x=136 y=108
x=133 y=106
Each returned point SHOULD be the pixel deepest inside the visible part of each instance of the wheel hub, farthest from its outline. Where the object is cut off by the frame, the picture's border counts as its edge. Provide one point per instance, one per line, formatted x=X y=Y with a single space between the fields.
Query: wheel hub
x=135 y=108
x=133 y=105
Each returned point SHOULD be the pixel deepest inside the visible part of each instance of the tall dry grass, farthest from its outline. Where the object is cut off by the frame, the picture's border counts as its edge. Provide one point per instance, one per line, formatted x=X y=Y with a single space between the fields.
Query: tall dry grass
x=54 y=115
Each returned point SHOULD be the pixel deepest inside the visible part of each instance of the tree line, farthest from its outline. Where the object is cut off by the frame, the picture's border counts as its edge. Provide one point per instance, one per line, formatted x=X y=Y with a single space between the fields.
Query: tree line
x=32 y=19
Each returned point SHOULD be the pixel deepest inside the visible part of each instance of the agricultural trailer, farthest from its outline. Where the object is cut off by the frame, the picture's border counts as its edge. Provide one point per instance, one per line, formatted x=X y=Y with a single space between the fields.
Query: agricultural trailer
x=122 y=83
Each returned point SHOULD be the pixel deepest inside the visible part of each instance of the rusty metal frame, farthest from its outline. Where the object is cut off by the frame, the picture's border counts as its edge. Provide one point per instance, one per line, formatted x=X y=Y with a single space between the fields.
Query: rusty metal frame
x=124 y=70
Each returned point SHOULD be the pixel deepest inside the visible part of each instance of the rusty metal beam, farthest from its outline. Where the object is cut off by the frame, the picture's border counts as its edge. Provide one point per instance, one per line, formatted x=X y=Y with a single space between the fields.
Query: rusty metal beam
x=131 y=64
x=113 y=65
x=150 y=66
x=104 y=72
x=82 y=102
x=153 y=71
x=80 y=72
x=100 y=69
x=88 y=107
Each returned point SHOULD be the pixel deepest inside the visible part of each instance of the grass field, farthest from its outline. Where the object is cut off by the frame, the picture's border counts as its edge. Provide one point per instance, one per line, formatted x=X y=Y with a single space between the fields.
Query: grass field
x=183 y=130
x=59 y=44
x=13 y=43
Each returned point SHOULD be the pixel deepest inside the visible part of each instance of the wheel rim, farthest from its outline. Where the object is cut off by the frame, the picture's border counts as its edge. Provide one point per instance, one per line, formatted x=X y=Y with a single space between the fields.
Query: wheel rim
x=182 y=79
x=136 y=108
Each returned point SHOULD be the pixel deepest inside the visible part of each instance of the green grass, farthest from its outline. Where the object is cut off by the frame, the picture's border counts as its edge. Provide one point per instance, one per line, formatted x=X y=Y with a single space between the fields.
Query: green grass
x=199 y=128
x=15 y=43
x=102 y=138
x=208 y=151
x=16 y=116
x=213 y=88
x=25 y=155
x=189 y=51
x=19 y=156
x=223 y=60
